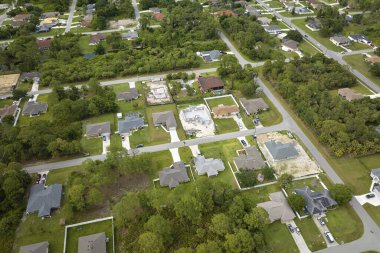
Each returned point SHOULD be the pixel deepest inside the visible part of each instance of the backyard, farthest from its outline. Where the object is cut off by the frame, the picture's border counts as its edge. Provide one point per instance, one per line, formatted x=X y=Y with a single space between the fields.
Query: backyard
x=213 y=102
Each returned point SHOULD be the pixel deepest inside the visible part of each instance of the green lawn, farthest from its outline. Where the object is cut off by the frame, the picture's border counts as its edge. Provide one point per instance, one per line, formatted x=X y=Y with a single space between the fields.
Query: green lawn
x=344 y=224
x=74 y=233
x=374 y=211
x=221 y=149
x=84 y=47
x=53 y=32
x=220 y=101
x=25 y=120
x=307 y=49
x=116 y=141
x=311 y=234
x=185 y=154
x=120 y=87
x=357 y=62
x=275 y=4
x=313 y=184
x=226 y=125
x=162 y=159
x=93 y=146
x=358 y=46
x=362 y=89
x=4 y=102
x=60 y=176
x=271 y=116
x=279 y=239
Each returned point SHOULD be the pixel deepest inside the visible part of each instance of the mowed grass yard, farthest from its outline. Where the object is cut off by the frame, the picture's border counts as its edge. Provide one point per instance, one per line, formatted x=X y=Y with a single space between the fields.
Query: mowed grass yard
x=213 y=102
x=226 y=125
x=74 y=233
x=313 y=238
x=279 y=239
x=357 y=62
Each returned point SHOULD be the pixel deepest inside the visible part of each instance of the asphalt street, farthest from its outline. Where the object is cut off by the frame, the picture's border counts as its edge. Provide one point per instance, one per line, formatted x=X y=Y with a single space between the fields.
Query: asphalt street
x=71 y=14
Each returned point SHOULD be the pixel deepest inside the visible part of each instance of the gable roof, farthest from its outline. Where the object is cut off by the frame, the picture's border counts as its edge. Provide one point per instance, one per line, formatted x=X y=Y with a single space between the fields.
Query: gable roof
x=34 y=108
x=22 y=17
x=166 y=119
x=212 y=55
x=264 y=20
x=291 y=44
x=210 y=82
x=8 y=110
x=43 y=44
x=252 y=11
x=130 y=35
x=349 y=94
x=272 y=28
x=359 y=37
x=316 y=201
x=223 y=110
x=132 y=93
x=278 y=208
x=173 y=175
x=41 y=247
x=131 y=122
x=340 y=39
x=253 y=106
x=95 y=243
x=42 y=200
x=249 y=161
x=280 y=151
x=209 y=166
x=96 y=38
x=314 y=23
x=98 y=129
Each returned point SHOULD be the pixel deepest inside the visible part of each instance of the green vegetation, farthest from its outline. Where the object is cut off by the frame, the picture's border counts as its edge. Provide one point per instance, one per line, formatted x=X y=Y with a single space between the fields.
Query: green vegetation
x=374 y=211
x=279 y=239
x=220 y=101
x=226 y=125
x=307 y=48
x=94 y=146
x=275 y=4
x=313 y=238
x=357 y=62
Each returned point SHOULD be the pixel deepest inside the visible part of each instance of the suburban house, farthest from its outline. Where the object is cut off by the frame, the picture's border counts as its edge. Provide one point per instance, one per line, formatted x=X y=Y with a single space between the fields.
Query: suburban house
x=349 y=94
x=98 y=129
x=372 y=60
x=281 y=151
x=210 y=56
x=209 y=166
x=86 y=22
x=174 y=175
x=229 y=13
x=131 y=35
x=314 y=24
x=22 y=17
x=315 y=4
x=340 y=40
x=249 y=159
x=317 y=202
x=375 y=174
x=43 y=28
x=95 y=243
x=225 y=111
x=29 y=75
x=43 y=200
x=132 y=122
x=272 y=29
x=7 y=84
x=165 y=119
x=360 y=38
x=90 y=9
x=252 y=11
x=290 y=46
x=158 y=16
x=278 y=208
x=41 y=247
x=43 y=44
x=253 y=106
x=210 y=83
x=289 y=5
x=129 y=95
x=95 y=39
x=264 y=20
x=33 y=108
x=301 y=10
x=52 y=14
x=8 y=110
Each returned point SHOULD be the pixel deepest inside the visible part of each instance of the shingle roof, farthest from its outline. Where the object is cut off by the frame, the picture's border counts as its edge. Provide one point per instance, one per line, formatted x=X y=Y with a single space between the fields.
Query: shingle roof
x=8 y=110
x=280 y=151
x=316 y=201
x=210 y=82
x=223 y=110
x=131 y=122
x=130 y=35
x=166 y=119
x=291 y=44
x=349 y=94
x=95 y=243
x=132 y=93
x=251 y=160
x=359 y=37
x=278 y=208
x=41 y=247
x=270 y=28
x=34 y=108
x=212 y=55
x=314 y=23
x=253 y=106
x=174 y=175
x=209 y=166
x=42 y=200
x=340 y=39
x=96 y=38
x=98 y=129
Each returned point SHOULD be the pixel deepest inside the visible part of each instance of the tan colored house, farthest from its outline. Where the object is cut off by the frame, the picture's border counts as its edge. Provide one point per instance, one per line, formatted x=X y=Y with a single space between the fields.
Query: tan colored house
x=7 y=84
x=349 y=94
x=225 y=111
x=278 y=208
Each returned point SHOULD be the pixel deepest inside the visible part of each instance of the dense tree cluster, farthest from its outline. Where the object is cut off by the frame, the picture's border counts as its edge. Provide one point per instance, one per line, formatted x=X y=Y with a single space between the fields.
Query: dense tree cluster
x=365 y=5
x=332 y=21
x=146 y=4
x=375 y=69
x=250 y=37
x=14 y=183
x=208 y=217
x=48 y=5
x=341 y=193
x=348 y=128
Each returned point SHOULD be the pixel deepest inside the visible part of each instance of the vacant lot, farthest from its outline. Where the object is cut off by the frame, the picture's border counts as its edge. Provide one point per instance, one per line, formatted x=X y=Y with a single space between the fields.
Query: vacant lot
x=357 y=62
x=311 y=234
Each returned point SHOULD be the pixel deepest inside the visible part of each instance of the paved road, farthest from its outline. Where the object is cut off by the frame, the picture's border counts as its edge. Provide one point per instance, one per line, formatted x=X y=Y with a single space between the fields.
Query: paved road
x=136 y=8
x=334 y=55
x=71 y=14
x=369 y=240
x=4 y=15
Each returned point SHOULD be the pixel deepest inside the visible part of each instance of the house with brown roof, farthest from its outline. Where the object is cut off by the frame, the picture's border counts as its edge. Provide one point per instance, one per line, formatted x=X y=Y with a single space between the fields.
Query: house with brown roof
x=95 y=39
x=229 y=13
x=52 y=14
x=290 y=46
x=158 y=16
x=225 y=111
x=253 y=106
x=43 y=44
x=8 y=110
x=210 y=83
x=22 y=17
x=349 y=94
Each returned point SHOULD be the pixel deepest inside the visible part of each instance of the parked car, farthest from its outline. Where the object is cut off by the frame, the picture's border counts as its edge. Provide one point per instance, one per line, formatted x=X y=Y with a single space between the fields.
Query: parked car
x=291 y=229
x=122 y=138
x=298 y=231
x=38 y=178
x=343 y=52
x=370 y=195
x=104 y=138
x=244 y=143
x=238 y=115
x=240 y=126
x=44 y=176
x=139 y=145
x=329 y=237
x=321 y=221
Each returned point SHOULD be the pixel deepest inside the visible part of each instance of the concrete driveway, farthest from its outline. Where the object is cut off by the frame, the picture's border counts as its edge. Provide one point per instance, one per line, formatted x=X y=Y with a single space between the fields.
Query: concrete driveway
x=175 y=154
x=106 y=144
x=126 y=143
x=322 y=229
x=244 y=139
x=132 y=85
x=194 y=150
x=298 y=239
x=173 y=136
x=240 y=123
x=362 y=199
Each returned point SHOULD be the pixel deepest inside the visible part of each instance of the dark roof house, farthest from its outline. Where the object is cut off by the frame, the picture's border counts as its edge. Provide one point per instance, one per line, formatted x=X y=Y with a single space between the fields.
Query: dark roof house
x=174 y=175
x=129 y=95
x=131 y=35
x=8 y=110
x=96 y=38
x=33 y=108
x=131 y=122
x=41 y=247
x=253 y=106
x=360 y=38
x=95 y=243
x=98 y=129
x=317 y=202
x=281 y=151
x=314 y=24
x=210 y=83
x=250 y=160
x=340 y=40
x=29 y=75
x=165 y=119
x=43 y=200
x=290 y=45
x=210 y=56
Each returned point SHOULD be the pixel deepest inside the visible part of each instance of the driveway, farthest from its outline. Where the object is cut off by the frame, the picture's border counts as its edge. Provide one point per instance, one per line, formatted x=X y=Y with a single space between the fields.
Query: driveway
x=106 y=144
x=173 y=136
x=322 y=230
x=240 y=123
x=126 y=143
x=132 y=85
x=175 y=154
x=244 y=139
x=362 y=199
x=298 y=239
x=194 y=150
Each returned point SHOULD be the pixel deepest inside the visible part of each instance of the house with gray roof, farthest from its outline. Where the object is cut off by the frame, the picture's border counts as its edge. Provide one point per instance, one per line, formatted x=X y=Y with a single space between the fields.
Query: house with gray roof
x=98 y=129
x=281 y=151
x=278 y=208
x=317 y=202
x=253 y=106
x=250 y=160
x=252 y=11
x=209 y=166
x=42 y=200
x=264 y=20
x=174 y=175
x=132 y=122
x=314 y=24
x=129 y=95
x=33 y=108
x=95 y=243
x=165 y=119
x=272 y=29
x=290 y=45
x=211 y=56
x=340 y=40
x=360 y=38
x=131 y=35
x=41 y=247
